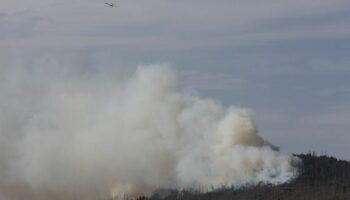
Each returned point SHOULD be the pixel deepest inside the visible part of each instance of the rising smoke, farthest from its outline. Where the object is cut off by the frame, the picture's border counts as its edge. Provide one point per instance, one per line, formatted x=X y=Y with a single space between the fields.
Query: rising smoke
x=85 y=137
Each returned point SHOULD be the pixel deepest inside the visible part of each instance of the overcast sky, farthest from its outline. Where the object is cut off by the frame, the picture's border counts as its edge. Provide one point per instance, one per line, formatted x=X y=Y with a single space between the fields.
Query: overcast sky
x=288 y=61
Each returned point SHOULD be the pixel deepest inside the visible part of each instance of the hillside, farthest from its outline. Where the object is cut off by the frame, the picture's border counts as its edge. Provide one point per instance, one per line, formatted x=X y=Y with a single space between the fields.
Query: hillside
x=321 y=178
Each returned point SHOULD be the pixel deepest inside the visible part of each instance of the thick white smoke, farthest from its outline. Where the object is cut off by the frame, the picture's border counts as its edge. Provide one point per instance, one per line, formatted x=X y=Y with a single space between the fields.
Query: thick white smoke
x=90 y=137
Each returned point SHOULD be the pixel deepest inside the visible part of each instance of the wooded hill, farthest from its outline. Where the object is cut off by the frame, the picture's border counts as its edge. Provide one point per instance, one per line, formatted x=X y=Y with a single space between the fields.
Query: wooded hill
x=321 y=178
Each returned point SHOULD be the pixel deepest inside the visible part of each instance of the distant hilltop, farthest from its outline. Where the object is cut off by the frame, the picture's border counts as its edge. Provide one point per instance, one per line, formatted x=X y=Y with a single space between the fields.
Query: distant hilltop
x=323 y=169
x=321 y=178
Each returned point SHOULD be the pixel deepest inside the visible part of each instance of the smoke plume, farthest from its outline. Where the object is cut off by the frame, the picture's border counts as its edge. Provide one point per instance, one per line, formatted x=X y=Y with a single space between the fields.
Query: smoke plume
x=65 y=137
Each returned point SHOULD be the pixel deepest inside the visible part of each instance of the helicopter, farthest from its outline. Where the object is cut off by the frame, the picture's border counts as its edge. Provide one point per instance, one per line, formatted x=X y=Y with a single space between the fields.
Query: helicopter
x=111 y=4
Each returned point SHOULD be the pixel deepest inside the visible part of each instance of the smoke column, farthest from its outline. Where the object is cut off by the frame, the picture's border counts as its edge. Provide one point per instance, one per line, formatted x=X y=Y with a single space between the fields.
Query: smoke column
x=87 y=137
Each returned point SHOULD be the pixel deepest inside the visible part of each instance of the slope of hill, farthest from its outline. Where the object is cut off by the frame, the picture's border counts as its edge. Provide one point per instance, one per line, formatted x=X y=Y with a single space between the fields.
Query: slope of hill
x=321 y=178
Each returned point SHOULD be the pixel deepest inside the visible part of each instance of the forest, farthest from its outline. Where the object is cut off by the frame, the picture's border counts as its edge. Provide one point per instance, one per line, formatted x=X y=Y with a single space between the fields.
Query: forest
x=321 y=178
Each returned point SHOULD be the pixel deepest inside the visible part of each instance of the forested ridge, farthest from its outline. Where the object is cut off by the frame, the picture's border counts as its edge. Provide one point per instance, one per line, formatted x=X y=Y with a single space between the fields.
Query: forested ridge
x=320 y=178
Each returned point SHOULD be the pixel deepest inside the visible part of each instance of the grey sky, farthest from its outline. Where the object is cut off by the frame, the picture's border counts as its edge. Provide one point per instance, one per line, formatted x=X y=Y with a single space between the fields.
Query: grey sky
x=286 y=60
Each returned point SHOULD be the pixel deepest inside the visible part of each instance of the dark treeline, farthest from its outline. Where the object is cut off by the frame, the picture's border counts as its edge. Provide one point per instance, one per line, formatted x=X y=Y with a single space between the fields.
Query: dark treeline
x=321 y=178
x=323 y=169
